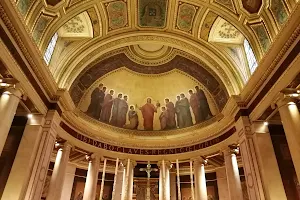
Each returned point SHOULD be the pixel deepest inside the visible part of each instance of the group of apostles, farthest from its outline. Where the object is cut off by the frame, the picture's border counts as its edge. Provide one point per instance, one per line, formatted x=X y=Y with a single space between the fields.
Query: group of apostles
x=114 y=111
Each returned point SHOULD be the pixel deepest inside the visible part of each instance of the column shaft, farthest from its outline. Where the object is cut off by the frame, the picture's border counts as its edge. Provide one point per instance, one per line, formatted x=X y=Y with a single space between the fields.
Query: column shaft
x=161 y=190
x=233 y=176
x=59 y=172
x=178 y=180
x=268 y=165
x=127 y=190
x=164 y=180
x=203 y=191
x=222 y=184
x=167 y=182
x=19 y=176
x=290 y=118
x=68 y=182
x=173 y=186
x=92 y=178
x=9 y=102
x=192 y=180
x=200 y=180
x=115 y=179
x=118 y=184
x=130 y=181
x=103 y=179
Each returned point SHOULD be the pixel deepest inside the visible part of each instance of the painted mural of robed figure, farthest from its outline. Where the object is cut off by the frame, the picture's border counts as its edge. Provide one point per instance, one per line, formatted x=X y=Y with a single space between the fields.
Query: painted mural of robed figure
x=204 y=110
x=107 y=106
x=116 y=110
x=163 y=118
x=194 y=102
x=133 y=119
x=148 y=111
x=184 y=112
x=171 y=122
x=123 y=109
x=97 y=98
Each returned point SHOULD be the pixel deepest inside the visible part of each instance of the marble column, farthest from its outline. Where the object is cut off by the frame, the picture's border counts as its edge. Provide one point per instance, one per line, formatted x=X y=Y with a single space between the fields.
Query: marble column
x=115 y=178
x=233 y=176
x=127 y=190
x=91 y=178
x=200 y=180
x=250 y=159
x=268 y=165
x=59 y=171
x=42 y=159
x=19 y=176
x=173 y=185
x=103 y=179
x=290 y=119
x=160 y=184
x=167 y=180
x=68 y=182
x=117 y=190
x=178 y=179
x=192 y=180
x=9 y=102
x=164 y=179
x=222 y=184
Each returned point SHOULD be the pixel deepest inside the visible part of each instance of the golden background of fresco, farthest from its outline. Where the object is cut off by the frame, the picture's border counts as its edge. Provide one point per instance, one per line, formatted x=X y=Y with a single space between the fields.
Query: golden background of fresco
x=138 y=87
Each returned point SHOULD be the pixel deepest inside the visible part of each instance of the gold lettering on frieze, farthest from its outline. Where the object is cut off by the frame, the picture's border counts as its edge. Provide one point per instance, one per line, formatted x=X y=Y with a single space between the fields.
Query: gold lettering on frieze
x=202 y=145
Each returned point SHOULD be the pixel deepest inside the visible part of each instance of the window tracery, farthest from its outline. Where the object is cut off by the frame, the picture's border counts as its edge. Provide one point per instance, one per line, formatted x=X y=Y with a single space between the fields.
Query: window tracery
x=50 y=49
x=252 y=63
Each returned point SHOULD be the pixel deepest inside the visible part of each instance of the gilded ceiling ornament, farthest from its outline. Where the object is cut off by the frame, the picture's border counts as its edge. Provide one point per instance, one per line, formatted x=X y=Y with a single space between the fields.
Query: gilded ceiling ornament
x=75 y=25
x=117 y=14
x=152 y=13
x=185 y=17
x=252 y=6
x=262 y=35
x=279 y=11
x=227 y=4
x=207 y=25
x=24 y=6
x=228 y=31
x=40 y=26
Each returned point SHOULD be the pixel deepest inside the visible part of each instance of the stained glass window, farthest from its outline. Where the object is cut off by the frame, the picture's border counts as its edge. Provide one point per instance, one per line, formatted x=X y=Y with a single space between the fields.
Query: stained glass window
x=50 y=49
x=252 y=63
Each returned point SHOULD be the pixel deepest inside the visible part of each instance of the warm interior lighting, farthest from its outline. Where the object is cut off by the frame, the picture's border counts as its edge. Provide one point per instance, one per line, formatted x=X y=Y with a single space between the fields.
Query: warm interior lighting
x=7 y=92
x=3 y=84
x=56 y=144
x=266 y=123
x=29 y=116
x=291 y=103
x=295 y=95
x=1 y=80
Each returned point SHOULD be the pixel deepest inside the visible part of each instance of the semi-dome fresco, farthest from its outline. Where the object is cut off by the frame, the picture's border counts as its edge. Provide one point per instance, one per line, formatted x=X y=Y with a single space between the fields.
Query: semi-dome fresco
x=165 y=101
x=121 y=93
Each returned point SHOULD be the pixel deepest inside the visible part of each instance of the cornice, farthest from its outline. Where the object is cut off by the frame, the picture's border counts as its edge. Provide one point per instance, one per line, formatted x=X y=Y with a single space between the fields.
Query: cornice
x=272 y=59
x=29 y=49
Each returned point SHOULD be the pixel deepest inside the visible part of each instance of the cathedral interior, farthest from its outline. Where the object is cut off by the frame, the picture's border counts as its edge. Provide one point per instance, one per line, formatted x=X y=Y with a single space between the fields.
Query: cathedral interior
x=150 y=99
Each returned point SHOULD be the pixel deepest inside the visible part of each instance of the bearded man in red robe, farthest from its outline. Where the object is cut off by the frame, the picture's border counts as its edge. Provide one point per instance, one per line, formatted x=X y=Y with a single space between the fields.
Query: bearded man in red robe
x=148 y=111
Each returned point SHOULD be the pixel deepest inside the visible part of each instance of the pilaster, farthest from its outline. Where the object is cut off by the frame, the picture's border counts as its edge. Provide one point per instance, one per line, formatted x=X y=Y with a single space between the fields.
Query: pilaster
x=250 y=159
x=39 y=172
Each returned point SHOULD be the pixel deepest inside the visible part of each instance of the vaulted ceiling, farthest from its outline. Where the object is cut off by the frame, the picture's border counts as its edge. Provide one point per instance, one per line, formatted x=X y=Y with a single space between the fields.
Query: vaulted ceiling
x=210 y=31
